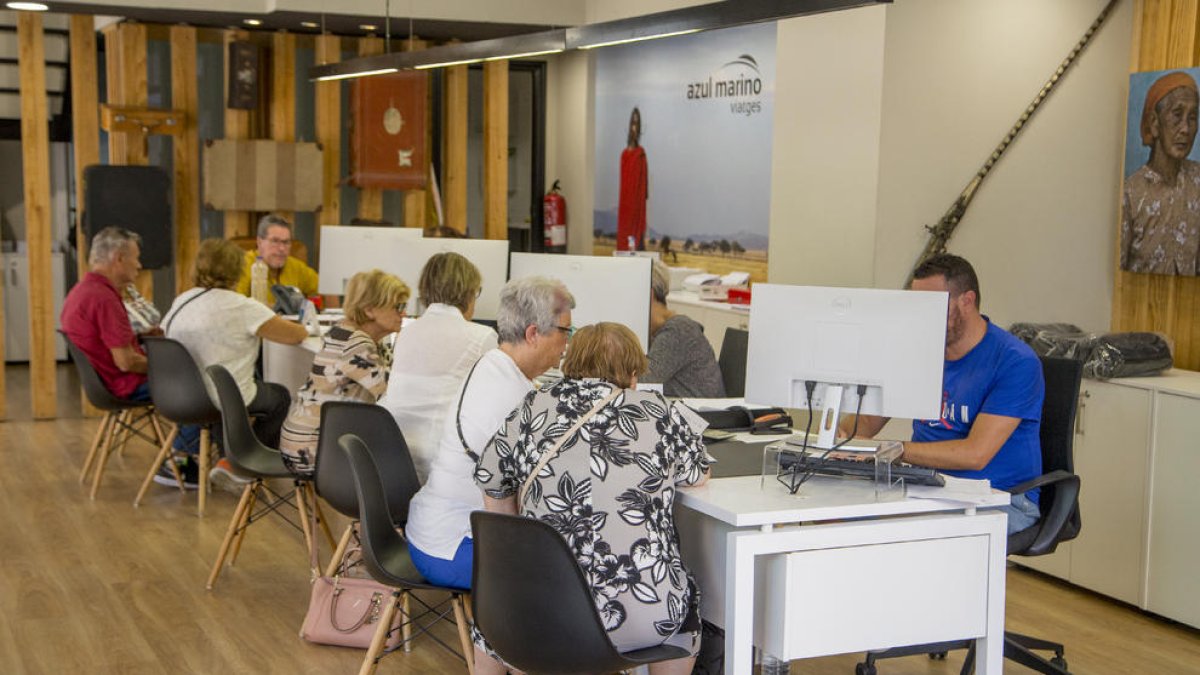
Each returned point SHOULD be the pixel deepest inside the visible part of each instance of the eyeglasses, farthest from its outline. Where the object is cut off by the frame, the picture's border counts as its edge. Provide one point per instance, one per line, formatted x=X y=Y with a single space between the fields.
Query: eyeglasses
x=569 y=330
x=278 y=242
x=401 y=307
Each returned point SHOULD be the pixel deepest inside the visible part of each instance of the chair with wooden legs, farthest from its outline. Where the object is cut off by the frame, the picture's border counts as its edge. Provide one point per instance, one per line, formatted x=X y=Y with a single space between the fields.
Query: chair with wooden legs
x=122 y=419
x=250 y=458
x=386 y=557
x=179 y=396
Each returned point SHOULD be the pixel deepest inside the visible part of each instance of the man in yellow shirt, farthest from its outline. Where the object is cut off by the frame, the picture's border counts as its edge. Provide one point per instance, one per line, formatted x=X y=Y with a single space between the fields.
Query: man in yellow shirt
x=274 y=244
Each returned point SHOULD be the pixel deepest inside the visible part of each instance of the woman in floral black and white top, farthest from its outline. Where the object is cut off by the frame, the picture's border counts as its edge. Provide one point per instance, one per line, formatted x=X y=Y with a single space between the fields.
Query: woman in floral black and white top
x=351 y=366
x=610 y=488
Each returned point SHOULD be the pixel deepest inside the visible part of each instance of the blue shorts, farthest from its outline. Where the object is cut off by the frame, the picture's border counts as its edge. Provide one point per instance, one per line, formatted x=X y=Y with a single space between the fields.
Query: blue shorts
x=441 y=572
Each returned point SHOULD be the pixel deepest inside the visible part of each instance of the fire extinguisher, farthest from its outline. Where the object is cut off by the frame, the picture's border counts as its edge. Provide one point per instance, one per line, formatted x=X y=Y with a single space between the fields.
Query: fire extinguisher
x=554 y=215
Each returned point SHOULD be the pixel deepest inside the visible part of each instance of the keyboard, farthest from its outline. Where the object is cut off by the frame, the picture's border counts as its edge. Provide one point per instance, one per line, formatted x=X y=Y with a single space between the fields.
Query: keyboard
x=852 y=468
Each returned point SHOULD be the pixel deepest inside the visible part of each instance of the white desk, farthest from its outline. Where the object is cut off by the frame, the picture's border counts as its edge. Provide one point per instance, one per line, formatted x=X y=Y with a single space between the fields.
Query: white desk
x=908 y=572
x=289 y=364
x=714 y=316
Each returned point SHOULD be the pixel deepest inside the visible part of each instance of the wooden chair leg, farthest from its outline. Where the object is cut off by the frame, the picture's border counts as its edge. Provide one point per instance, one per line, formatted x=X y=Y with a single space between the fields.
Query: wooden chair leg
x=305 y=526
x=117 y=438
x=464 y=635
x=316 y=504
x=236 y=520
x=163 y=453
x=122 y=432
x=205 y=455
x=157 y=427
x=379 y=639
x=99 y=440
x=245 y=524
x=340 y=551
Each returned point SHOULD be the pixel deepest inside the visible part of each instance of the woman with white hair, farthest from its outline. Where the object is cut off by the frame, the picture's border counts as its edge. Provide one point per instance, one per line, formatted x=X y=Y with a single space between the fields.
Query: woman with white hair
x=681 y=359
x=534 y=324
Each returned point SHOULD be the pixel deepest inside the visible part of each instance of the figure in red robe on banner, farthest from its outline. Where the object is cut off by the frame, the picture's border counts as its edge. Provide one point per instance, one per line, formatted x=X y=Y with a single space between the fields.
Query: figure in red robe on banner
x=635 y=179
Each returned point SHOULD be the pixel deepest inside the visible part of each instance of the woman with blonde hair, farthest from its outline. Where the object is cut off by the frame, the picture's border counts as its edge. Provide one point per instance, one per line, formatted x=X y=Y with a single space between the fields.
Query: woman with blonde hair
x=434 y=353
x=601 y=461
x=351 y=366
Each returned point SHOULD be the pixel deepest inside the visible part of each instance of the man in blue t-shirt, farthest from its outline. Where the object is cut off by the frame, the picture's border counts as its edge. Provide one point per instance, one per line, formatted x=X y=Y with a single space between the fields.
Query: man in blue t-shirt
x=992 y=391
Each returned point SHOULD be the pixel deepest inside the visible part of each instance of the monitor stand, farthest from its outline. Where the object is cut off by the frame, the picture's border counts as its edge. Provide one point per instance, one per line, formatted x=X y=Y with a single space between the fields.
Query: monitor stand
x=830 y=414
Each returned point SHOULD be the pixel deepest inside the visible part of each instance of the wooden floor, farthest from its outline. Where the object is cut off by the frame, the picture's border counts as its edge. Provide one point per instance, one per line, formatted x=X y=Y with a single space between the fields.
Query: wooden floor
x=101 y=587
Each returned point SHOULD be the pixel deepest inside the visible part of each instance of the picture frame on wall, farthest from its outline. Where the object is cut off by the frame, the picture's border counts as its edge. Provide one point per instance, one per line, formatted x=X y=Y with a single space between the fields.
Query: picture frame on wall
x=388 y=140
x=243 y=76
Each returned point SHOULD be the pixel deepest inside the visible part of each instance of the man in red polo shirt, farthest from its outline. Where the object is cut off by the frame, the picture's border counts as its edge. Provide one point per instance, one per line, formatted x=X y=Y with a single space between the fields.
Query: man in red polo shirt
x=94 y=318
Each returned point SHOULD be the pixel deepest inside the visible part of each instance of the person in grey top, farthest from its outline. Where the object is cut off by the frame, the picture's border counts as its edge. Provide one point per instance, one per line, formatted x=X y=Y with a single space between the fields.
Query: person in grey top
x=680 y=356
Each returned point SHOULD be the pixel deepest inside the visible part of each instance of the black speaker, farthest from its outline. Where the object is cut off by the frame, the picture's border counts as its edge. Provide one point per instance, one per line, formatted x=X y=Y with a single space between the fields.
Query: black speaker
x=137 y=198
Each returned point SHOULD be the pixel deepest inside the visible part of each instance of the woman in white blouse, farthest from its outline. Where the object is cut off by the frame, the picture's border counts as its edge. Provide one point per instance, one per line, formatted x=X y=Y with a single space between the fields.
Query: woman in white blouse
x=433 y=354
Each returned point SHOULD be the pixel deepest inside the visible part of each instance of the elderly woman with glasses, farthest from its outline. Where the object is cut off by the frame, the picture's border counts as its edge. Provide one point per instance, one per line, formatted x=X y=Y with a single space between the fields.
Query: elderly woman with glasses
x=534 y=323
x=434 y=353
x=351 y=366
x=601 y=462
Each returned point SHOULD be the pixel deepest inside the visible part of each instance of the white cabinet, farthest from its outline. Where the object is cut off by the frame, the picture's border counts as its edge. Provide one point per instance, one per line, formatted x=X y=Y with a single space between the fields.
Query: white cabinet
x=1172 y=588
x=16 y=305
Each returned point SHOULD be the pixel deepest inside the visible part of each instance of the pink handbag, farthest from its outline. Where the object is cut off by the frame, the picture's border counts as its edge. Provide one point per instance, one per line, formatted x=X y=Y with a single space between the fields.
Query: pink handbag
x=345 y=611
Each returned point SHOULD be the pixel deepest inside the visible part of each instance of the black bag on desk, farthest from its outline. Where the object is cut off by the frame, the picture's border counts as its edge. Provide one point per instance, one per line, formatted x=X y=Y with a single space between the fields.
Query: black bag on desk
x=1128 y=355
x=739 y=419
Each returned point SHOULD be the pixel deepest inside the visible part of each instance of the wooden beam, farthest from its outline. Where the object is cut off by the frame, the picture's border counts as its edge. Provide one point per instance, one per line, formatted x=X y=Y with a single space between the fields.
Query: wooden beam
x=85 y=130
x=186 y=155
x=35 y=154
x=495 y=150
x=454 y=155
x=283 y=91
x=237 y=126
x=329 y=135
x=415 y=201
x=370 y=200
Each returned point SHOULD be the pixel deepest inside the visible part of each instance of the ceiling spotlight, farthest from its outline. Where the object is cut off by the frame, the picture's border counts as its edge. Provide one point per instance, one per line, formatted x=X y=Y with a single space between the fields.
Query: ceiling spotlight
x=28 y=6
x=310 y=24
x=368 y=26
x=252 y=22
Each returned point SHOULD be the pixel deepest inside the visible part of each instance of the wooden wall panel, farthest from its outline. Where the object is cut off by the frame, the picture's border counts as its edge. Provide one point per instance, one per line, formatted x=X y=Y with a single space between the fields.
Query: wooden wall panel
x=495 y=150
x=416 y=201
x=454 y=155
x=1165 y=36
x=329 y=135
x=237 y=126
x=283 y=92
x=370 y=200
x=35 y=153
x=186 y=154
x=85 y=129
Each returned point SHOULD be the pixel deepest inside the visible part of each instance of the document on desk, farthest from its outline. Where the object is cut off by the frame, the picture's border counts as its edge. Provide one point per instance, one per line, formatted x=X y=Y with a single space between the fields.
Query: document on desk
x=964 y=490
x=703 y=404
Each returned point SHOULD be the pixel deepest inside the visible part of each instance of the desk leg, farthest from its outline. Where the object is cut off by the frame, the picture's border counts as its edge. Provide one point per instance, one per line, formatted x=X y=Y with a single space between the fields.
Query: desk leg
x=989 y=650
x=739 y=607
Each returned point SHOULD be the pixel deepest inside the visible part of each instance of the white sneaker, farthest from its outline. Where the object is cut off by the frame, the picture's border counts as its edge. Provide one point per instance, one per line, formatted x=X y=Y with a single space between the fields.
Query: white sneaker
x=222 y=477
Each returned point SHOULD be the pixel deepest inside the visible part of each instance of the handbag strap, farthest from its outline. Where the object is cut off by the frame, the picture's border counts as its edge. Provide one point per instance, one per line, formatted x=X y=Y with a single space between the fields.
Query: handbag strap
x=171 y=319
x=458 y=414
x=553 y=450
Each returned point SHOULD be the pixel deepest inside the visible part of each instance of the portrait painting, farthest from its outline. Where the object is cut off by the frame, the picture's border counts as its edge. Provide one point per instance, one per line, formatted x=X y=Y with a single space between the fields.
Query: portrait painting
x=1160 y=200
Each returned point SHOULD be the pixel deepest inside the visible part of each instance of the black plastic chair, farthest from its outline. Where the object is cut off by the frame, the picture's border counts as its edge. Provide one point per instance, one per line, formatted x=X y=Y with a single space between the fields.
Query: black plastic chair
x=1060 y=520
x=335 y=482
x=385 y=556
x=180 y=396
x=250 y=458
x=534 y=606
x=122 y=418
x=733 y=361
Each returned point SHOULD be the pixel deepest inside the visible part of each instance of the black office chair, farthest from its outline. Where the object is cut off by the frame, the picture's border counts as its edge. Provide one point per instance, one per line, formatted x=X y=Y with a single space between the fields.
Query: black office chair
x=732 y=361
x=1060 y=520
x=122 y=419
x=534 y=605
x=250 y=458
x=386 y=558
x=180 y=396
x=335 y=482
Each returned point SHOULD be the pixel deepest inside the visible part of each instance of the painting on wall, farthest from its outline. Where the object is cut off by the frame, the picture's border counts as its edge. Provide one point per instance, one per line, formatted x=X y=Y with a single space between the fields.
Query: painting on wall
x=387 y=140
x=683 y=148
x=1160 y=201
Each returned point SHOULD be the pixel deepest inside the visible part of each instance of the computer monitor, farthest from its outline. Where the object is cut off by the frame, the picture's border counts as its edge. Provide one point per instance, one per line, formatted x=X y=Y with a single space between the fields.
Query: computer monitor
x=891 y=341
x=346 y=251
x=490 y=256
x=605 y=289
